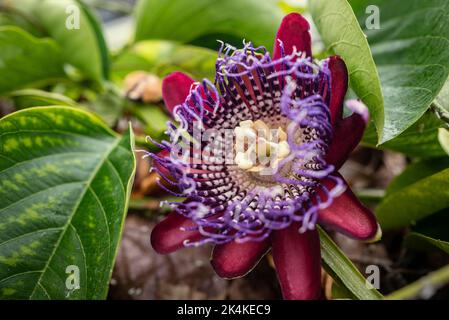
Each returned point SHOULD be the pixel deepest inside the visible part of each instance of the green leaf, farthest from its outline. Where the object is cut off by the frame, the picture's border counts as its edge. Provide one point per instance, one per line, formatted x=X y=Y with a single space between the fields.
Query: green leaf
x=154 y=118
x=411 y=50
x=26 y=60
x=420 y=140
x=163 y=57
x=339 y=292
x=442 y=100
x=429 y=283
x=12 y=17
x=65 y=183
x=418 y=240
x=84 y=48
x=342 y=35
x=443 y=138
x=416 y=200
x=417 y=171
x=440 y=105
x=108 y=105
x=435 y=226
x=101 y=41
x=28 y=98
x=186 y=21
x=343 y=270
x=430 y=233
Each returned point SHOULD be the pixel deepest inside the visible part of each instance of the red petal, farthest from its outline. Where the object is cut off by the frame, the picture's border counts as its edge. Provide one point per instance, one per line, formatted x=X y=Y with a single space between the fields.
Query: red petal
x=294 y=31
x=298 y=263
x=347 y=135
x=350 y=217
x=168 y=237
x=175 y=89
x=234 y=259
x=339 y=86
x=165 y=177
x=162 y=154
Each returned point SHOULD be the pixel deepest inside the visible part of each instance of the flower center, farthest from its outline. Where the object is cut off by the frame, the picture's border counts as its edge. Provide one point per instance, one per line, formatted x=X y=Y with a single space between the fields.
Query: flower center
x=278 y=158
x=259 y=147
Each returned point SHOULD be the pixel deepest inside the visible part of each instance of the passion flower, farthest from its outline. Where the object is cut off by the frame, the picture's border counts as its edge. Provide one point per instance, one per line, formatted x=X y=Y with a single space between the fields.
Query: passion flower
x=256 y=155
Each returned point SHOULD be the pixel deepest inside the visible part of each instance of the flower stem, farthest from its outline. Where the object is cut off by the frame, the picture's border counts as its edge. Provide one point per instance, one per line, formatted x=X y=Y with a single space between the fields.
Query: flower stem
x=440 y=112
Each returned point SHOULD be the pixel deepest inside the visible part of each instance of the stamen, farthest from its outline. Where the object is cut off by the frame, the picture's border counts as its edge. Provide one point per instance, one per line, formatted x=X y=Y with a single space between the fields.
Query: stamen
x=258 y=147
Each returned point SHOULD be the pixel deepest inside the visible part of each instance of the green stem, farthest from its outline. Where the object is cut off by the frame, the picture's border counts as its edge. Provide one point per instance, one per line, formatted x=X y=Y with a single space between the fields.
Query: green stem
x=440 y=112
x=343 y=271
x=432 y=281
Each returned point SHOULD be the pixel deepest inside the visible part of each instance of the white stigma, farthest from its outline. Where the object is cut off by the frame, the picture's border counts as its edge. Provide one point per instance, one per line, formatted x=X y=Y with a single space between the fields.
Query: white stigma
x=259 y=147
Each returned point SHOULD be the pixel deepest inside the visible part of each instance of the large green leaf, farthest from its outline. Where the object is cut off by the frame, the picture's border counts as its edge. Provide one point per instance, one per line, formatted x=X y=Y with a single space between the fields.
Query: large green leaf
x=163 y=57
x=342 y=35
x=84 y=48
x=343 y=270
x=411 y=50
x=416 y=200
x=186 y=21
x=420 y=140
x=65 y=181
x=26 y=60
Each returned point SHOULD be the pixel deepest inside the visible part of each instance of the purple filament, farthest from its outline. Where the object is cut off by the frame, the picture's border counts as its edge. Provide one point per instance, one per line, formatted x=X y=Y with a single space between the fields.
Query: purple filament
x=225 y=202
